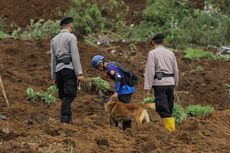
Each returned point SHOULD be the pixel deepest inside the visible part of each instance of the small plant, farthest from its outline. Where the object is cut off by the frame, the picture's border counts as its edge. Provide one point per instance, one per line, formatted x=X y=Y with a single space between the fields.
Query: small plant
x=179 y=113
x=198 y=110
x=96 y=83
x=31 y=95
x=47 y=97
x=37 y=30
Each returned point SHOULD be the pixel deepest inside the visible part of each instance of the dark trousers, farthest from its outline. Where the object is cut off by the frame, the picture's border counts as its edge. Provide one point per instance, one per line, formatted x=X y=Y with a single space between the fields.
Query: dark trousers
x=66 y=84
x=125 y=99
x=164 y=100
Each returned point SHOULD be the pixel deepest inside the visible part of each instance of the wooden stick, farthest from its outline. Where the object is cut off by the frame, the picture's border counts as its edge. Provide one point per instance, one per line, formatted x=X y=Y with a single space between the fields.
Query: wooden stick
x=178 y=99
x=4 y=92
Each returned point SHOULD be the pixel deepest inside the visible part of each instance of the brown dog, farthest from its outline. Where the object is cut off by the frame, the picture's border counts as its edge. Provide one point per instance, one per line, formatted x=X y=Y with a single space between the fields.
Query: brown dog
x=118 y=111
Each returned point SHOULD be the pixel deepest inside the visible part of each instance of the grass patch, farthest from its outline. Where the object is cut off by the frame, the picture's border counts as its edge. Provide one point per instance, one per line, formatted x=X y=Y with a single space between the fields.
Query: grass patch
x=197 y=54
x=48 y=97
x=198 y=110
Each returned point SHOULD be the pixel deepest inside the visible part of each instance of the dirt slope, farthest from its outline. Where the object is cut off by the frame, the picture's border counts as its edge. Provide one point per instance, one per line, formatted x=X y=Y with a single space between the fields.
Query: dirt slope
x=21 y=12
x=34 y=127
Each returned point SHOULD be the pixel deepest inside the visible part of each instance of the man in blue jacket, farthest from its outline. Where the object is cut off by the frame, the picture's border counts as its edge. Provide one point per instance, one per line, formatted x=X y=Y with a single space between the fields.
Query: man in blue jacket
x=123 y=88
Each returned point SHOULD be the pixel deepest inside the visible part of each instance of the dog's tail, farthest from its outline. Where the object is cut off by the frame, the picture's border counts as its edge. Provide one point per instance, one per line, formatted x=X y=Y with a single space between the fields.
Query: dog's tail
x=149 y=106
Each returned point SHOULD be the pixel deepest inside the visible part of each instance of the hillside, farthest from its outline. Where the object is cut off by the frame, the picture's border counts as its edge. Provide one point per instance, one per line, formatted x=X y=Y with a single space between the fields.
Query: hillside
x=33 y=127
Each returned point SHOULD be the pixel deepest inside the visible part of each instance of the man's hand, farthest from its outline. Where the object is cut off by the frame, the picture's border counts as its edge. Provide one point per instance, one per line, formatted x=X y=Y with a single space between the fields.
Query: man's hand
x=80 y=78
x=114 y=96
x=148 y=93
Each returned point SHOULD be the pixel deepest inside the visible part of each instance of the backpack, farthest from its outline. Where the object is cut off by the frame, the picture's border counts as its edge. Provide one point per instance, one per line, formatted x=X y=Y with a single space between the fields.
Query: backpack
x=129 y=77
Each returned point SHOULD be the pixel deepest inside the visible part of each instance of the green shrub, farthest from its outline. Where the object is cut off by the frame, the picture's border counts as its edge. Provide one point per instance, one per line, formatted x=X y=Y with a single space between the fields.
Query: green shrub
x=192 y=53
x=179 y=113
x=88 y=17
x=37 y=30
x=182 y=24
x=47 y=97
x=198 y=110
x=205 y=28
x=96 y=83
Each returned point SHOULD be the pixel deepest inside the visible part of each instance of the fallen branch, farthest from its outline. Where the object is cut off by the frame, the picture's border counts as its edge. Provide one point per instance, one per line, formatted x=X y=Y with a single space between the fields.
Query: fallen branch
x=4 y=92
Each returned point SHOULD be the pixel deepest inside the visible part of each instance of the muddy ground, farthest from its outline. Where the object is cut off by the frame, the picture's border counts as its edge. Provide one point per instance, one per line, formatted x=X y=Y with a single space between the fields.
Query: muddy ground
x=34 y=127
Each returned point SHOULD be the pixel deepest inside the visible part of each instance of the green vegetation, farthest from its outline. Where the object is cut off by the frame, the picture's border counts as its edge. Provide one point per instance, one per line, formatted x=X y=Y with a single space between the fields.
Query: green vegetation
x=88 y=17
x=192 y=53
x=179 y=20
x=148 y=100
x=178 y=113
x=192 y=110
x=37 y=30
x=3 y=35
x=183 y=24
x=96 y=84
x=47 y=97
x=198 y=110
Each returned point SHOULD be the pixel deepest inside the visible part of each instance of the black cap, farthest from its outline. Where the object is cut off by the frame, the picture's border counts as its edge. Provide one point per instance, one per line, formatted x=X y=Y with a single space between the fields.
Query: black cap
x=158 y=36
x=66 y=20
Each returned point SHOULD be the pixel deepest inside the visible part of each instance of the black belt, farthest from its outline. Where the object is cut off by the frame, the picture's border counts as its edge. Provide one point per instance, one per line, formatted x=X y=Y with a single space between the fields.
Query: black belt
x=160 y=75
x=65 y=60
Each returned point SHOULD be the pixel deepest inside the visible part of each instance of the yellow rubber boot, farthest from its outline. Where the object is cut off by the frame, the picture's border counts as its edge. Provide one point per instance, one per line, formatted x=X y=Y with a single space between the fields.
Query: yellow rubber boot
x=169 y=123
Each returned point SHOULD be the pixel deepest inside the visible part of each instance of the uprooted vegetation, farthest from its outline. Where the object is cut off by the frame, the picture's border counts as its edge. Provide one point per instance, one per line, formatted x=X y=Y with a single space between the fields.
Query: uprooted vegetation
x=48 y=97
x=180 y=114
x=97 y=84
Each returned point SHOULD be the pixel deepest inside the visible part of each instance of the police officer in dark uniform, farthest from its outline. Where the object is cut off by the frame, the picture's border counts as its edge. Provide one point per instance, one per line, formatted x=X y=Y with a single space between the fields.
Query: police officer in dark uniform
x=66 y=67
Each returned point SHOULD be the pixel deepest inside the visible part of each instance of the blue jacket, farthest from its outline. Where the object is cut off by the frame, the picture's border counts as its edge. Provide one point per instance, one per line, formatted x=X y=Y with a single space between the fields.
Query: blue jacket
x=120 y=88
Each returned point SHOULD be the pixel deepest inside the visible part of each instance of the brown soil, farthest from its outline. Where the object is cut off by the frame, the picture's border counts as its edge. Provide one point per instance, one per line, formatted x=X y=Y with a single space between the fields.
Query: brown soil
x=21 y=12
x=35 y=127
